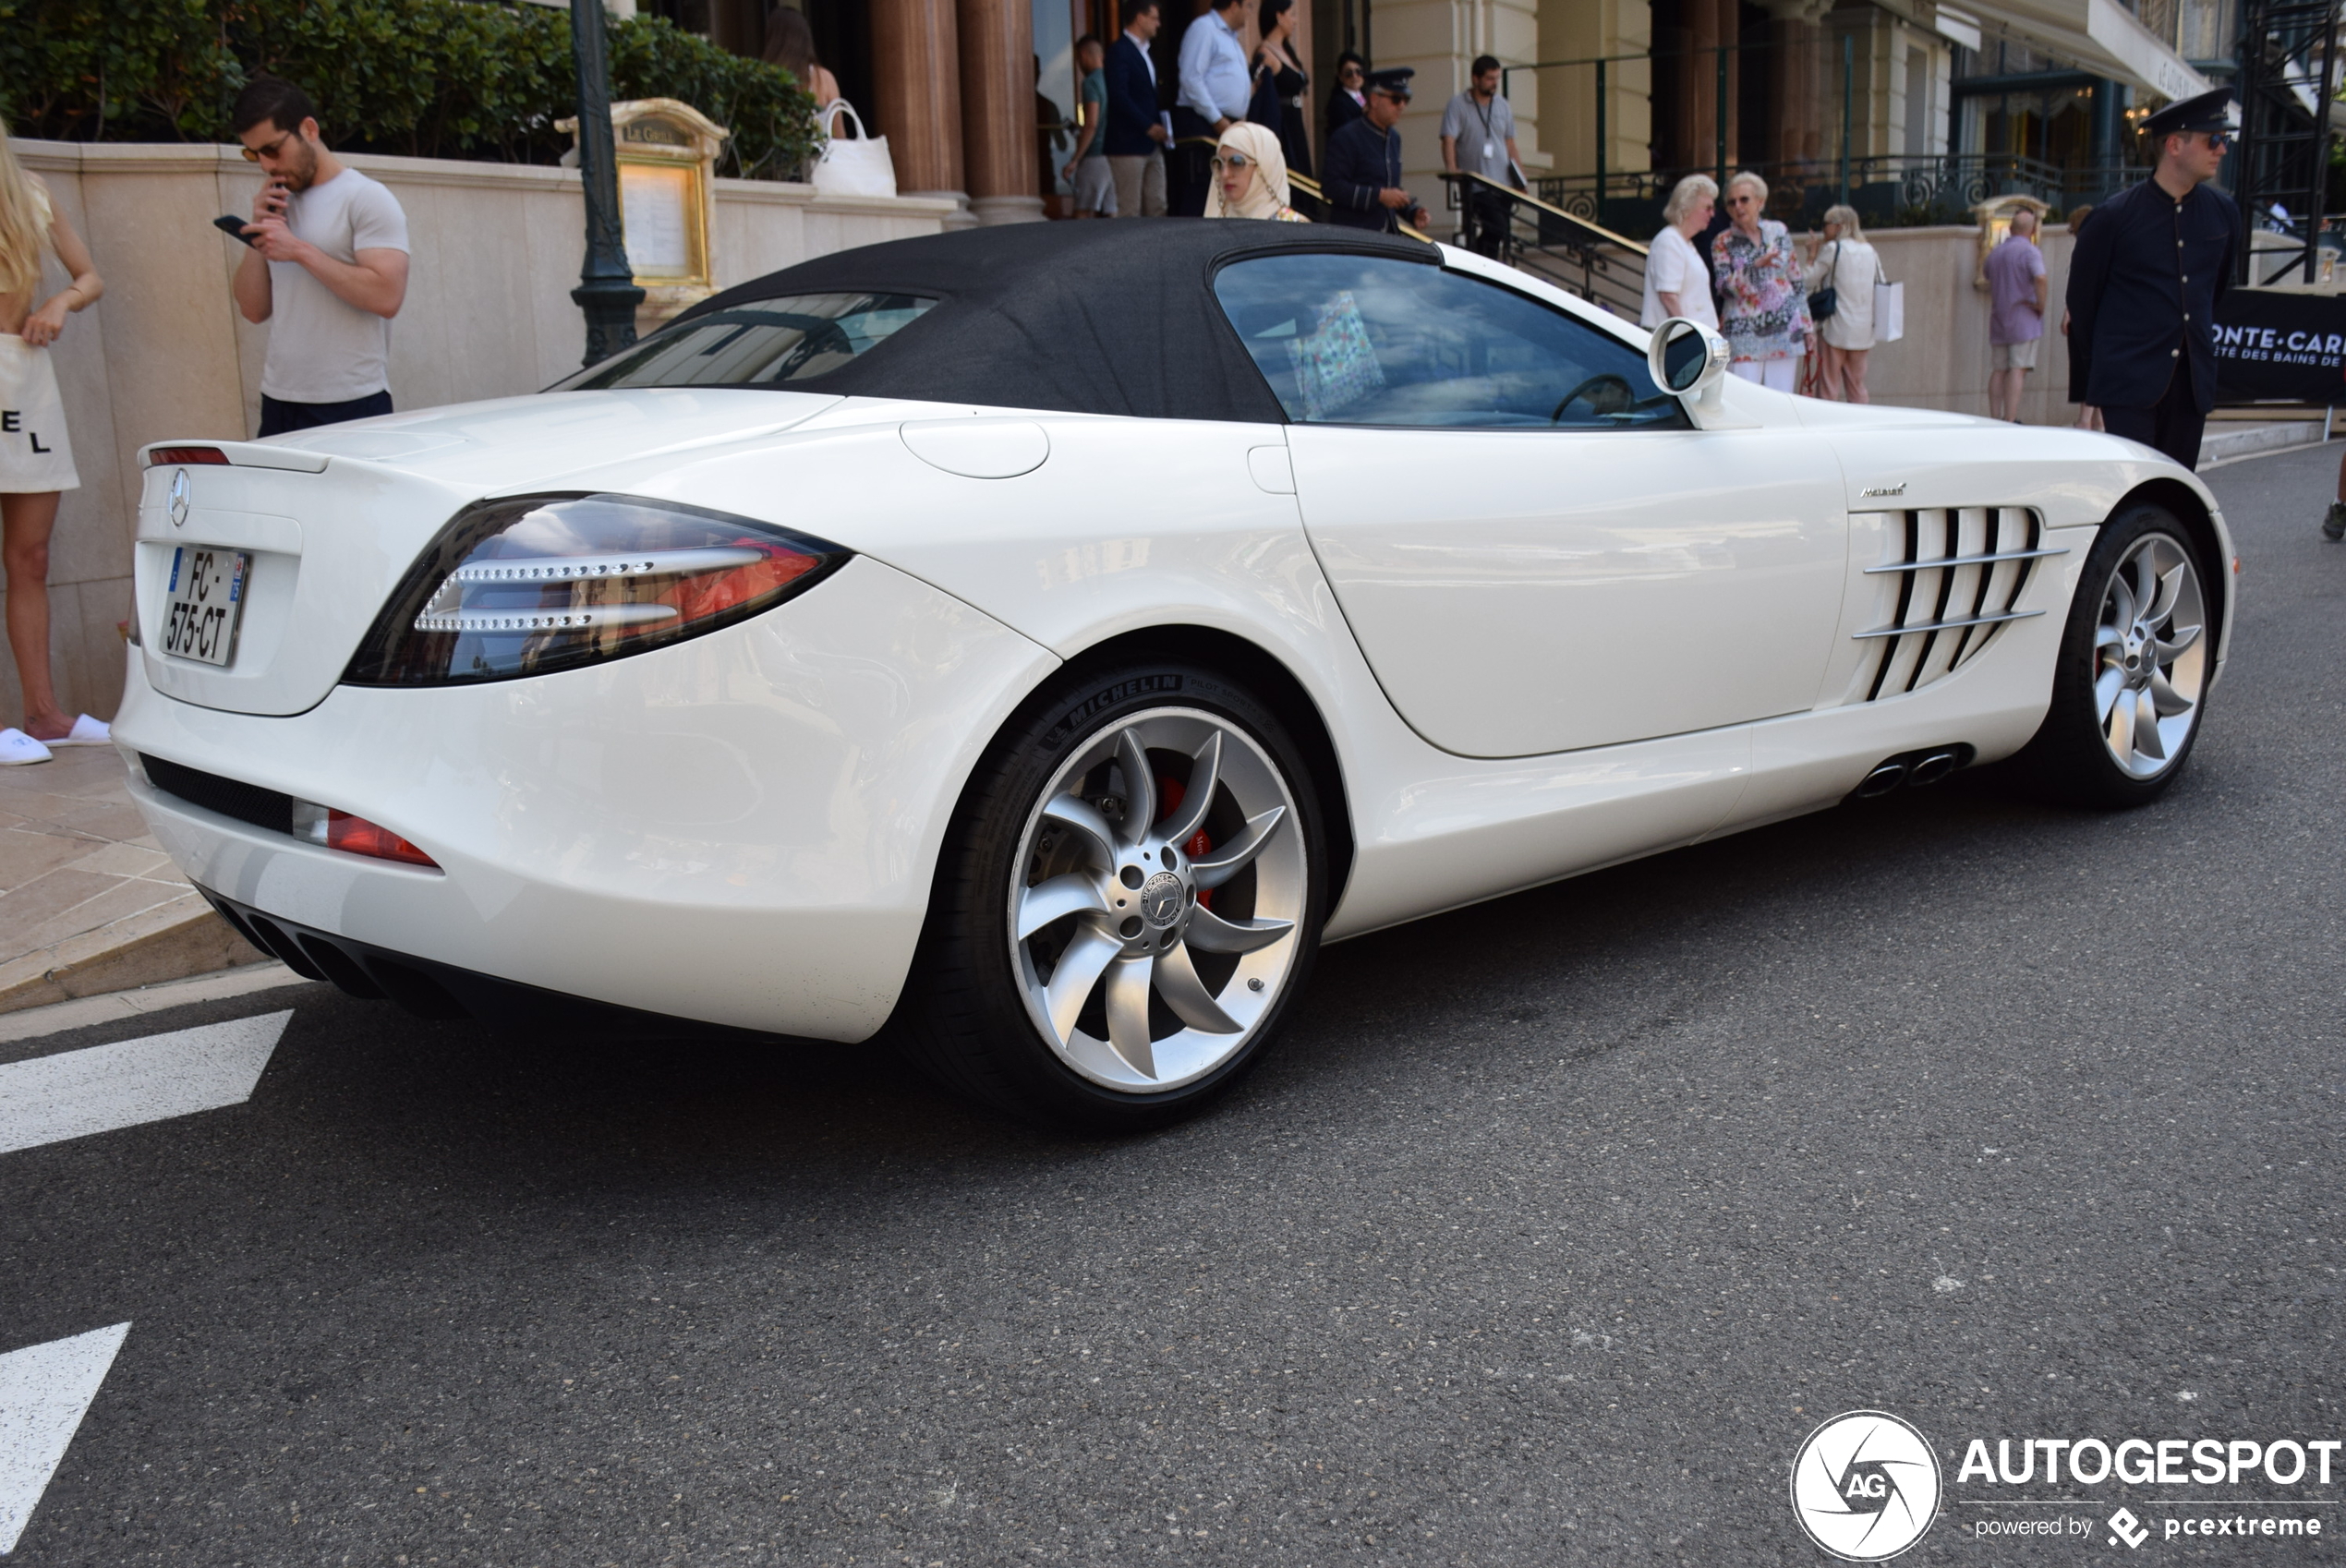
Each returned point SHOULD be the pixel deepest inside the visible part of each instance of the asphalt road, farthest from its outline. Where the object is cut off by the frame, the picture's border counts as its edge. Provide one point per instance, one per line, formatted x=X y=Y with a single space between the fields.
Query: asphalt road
x=1546 y=1236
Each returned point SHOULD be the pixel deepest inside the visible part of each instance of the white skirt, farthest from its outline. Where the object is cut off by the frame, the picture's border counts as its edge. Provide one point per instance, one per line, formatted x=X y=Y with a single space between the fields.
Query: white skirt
x=34 y=453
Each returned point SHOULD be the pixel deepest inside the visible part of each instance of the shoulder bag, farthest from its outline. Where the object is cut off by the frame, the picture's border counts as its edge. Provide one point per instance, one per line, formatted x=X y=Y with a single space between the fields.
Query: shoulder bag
x=1826 y=300
x=860 y=167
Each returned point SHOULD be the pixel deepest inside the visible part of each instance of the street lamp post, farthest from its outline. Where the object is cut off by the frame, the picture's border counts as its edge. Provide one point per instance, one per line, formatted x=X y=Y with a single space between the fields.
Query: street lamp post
x=606 y=290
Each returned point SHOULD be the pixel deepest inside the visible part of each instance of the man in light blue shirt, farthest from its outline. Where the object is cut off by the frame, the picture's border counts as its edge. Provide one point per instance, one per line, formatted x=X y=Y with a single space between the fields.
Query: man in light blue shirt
x=1211 y=97
x=1214 y=80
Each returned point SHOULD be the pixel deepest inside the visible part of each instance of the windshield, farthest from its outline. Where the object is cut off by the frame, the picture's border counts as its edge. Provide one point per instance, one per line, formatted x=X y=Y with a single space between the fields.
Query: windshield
x=764 y=343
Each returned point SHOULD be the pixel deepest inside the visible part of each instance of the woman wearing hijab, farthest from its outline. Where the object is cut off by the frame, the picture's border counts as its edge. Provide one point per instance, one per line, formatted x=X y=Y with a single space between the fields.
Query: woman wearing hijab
x=1250 y=177
x=36 y=460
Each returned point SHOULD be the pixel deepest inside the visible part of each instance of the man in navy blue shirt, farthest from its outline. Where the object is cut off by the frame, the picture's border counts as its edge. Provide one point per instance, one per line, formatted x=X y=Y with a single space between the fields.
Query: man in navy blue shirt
x=1364 y=162
x=2144 y=281
x=1135 y=130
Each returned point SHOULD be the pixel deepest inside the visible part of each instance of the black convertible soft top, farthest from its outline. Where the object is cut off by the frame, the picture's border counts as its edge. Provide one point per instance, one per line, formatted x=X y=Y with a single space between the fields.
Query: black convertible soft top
x=1114 y=316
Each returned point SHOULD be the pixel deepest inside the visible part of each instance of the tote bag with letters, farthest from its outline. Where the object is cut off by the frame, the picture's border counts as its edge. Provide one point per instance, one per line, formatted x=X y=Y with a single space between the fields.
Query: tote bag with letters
x=858 y=167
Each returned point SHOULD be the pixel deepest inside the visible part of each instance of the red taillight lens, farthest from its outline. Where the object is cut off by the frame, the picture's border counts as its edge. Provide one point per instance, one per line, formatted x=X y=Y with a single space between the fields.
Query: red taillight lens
x=184 y=455
x=538 y=584
x=357 y=835
x=353 y=834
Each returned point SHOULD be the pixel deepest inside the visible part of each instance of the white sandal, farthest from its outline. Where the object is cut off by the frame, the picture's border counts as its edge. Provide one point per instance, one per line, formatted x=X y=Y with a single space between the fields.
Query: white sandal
x=16 y=748
x=86 y=731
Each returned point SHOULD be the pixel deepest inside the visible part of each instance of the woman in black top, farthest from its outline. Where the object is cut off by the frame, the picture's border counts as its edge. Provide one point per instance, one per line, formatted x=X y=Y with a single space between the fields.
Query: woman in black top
x=1280 y=80
x=1348 y=97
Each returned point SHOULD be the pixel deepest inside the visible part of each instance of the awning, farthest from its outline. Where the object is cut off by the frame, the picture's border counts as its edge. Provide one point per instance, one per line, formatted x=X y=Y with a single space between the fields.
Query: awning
x=2100 y=35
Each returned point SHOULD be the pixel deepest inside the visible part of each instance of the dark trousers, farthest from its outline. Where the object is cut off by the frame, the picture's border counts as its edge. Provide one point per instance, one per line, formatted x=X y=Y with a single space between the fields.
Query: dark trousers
x=1189 y=164
x=2174 y=424
x=278 y=419
x=1494 y=215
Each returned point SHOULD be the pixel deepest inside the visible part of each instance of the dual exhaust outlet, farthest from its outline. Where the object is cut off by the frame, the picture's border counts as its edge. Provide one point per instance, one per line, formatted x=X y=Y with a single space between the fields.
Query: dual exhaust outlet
x=1913 y=769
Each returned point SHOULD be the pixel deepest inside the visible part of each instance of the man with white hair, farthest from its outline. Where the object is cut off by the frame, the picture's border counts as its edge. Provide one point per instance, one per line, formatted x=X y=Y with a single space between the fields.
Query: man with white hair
x=2018 y=290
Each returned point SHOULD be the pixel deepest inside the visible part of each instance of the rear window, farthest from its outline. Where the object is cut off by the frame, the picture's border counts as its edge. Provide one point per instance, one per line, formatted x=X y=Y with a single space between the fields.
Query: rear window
x=765 y=343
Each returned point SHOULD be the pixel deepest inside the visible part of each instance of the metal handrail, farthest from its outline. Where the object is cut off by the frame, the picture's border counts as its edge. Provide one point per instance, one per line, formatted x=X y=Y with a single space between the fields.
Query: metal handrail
x=1601 y=235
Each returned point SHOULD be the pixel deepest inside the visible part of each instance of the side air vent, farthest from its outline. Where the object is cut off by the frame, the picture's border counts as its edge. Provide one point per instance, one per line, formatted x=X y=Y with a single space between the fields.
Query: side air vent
x=1953 y=579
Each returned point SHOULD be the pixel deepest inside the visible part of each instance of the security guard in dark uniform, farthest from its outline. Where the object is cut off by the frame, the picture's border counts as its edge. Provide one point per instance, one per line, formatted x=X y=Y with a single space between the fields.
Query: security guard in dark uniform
x=2145 y=279
x=1361 y=174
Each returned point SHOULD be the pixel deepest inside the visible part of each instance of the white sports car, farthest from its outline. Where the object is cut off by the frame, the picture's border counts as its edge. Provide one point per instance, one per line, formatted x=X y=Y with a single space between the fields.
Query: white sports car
x=1047 y=636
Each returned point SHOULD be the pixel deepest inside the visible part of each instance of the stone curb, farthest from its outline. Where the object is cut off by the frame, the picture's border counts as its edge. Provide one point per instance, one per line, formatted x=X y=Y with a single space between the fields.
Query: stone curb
x=173 y=940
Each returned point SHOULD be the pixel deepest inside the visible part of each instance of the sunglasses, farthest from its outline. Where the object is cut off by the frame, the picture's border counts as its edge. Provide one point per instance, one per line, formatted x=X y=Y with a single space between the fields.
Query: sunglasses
x=1233 y=161
x=275 y=150
x=1388 y=93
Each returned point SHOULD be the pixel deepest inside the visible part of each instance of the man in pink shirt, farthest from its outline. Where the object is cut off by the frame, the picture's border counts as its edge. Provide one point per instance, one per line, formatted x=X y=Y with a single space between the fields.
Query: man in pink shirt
x=2017 y=290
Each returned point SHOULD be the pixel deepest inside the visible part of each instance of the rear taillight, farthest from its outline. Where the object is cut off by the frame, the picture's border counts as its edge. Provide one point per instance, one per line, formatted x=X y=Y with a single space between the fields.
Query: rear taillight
x=538 y=584
x=158 y=456
x=353 y=834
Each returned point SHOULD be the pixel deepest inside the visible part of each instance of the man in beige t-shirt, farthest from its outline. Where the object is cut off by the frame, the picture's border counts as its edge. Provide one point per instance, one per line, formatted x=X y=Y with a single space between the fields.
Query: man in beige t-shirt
x=327 y=268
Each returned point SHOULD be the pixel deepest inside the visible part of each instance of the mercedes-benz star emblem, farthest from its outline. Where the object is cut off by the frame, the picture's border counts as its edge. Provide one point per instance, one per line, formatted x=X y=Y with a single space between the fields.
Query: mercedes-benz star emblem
x=1161 y=899
x=178 y=498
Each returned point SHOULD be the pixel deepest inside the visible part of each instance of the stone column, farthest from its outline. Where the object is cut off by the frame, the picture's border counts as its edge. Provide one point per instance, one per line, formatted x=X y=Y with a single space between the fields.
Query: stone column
x=1798 y=99
x=916 y=75
x=1699 y=103
x=997 y=110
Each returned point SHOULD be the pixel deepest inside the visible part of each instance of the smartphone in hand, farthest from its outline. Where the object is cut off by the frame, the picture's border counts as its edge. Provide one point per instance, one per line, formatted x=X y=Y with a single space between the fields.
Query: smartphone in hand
x=232 y=228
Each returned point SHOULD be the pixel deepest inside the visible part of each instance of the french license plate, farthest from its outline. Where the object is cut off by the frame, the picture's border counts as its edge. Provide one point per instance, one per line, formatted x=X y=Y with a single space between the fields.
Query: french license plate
x=205 y=603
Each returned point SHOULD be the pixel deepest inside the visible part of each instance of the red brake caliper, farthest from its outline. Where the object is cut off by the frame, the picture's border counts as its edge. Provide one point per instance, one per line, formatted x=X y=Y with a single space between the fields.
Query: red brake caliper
x=1169 y=801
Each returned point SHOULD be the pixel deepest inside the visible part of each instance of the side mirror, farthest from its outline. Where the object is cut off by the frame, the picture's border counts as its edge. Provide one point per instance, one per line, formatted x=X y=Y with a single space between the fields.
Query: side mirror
x=1688 y=359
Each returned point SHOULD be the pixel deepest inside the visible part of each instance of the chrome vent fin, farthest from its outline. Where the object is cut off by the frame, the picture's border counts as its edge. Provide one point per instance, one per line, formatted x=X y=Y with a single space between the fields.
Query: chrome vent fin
x=1954 y=581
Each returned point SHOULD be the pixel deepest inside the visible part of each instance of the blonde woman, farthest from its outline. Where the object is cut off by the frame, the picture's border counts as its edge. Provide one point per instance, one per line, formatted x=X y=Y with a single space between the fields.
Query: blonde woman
x=1845 y=263
x=1766 y=321
x=1250 y=176
x=36 y=460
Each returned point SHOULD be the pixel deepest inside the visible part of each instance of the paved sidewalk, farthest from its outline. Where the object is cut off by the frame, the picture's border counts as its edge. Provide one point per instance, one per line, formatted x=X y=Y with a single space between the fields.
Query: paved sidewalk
x=87 y=903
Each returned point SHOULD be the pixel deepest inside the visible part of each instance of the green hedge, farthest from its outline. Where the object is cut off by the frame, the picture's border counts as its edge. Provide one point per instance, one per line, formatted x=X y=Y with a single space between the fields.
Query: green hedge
x=431 y=79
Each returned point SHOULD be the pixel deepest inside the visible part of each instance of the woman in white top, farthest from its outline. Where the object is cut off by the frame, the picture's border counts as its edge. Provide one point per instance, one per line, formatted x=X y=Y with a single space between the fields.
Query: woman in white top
x=1843 y=262
x=1677 y=278
x=36 y=460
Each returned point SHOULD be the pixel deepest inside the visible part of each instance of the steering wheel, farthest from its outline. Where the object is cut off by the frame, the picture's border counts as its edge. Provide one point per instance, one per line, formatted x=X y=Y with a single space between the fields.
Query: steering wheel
x=1619 y=397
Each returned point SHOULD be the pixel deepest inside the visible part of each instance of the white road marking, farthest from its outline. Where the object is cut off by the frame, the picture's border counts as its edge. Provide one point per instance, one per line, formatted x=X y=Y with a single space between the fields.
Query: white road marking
x=75 y=1093
x=44 y=1391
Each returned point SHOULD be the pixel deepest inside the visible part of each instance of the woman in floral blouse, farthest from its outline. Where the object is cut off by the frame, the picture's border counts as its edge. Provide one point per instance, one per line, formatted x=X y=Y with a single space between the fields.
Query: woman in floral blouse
x=1767 y=315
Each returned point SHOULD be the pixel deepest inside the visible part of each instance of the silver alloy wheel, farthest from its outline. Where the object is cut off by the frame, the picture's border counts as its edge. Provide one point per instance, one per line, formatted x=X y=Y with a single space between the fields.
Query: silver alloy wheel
x=1135 y=980
x=2150 y=659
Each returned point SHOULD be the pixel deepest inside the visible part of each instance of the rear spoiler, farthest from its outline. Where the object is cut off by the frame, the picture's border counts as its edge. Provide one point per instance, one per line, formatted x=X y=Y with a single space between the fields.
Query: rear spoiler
x=240 y=454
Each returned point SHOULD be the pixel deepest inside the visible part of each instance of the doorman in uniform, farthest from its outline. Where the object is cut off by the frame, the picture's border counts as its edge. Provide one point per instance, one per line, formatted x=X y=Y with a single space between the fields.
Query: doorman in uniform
x=1364 y=162
x=2145 y=279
